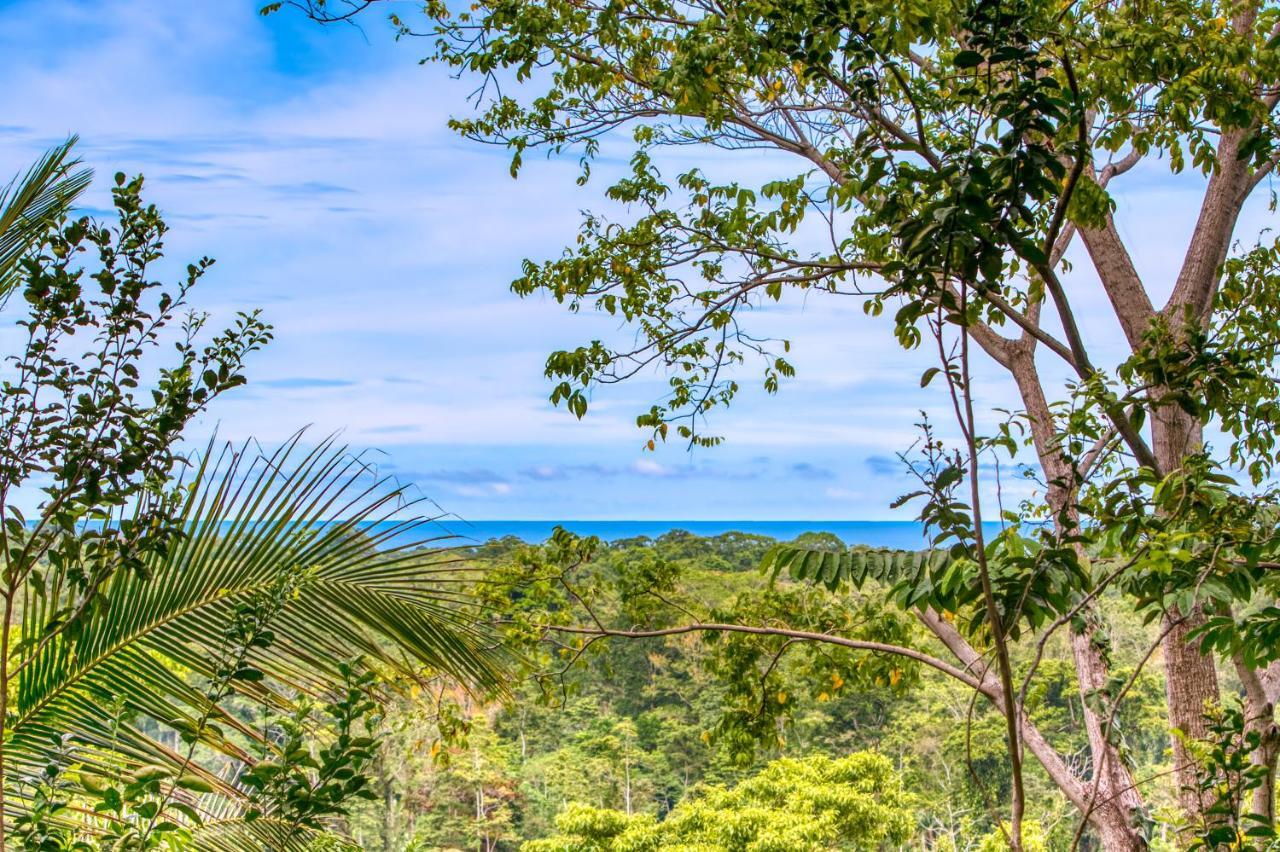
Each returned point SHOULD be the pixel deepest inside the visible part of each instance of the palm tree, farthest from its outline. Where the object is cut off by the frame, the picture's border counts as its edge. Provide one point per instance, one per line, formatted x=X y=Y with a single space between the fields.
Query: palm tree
x=366 y=585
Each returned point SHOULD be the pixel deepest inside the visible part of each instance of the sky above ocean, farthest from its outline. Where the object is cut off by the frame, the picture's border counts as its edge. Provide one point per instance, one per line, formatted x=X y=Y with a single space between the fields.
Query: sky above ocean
x=315 y=165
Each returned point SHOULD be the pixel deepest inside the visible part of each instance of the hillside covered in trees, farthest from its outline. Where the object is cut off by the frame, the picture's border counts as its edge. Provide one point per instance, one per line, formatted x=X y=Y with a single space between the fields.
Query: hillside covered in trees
x=636 y=727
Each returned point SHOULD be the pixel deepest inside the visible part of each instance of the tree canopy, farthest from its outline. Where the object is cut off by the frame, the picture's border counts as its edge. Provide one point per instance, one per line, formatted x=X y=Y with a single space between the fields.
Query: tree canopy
x=792 y=805
x=946 y=162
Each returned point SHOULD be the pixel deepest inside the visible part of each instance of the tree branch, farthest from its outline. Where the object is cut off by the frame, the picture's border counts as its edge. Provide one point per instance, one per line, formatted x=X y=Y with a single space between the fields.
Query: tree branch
x=1085 y=369
x=854 y=644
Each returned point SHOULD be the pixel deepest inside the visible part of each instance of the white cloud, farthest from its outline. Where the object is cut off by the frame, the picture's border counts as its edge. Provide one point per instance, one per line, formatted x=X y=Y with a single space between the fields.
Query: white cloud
x=315 y=165
x=649 y=467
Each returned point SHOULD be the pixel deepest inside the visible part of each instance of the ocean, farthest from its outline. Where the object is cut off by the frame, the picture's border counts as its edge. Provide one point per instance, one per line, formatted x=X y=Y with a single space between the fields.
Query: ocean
x=905 y=535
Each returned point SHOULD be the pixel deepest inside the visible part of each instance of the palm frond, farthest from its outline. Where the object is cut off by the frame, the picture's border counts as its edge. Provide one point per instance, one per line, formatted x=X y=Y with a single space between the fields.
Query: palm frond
x=28 y=205
x=250 y=519
x=235 y=834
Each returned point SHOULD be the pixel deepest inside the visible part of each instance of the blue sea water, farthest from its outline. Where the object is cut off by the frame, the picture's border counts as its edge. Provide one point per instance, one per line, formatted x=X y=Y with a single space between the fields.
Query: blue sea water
x=906 y=535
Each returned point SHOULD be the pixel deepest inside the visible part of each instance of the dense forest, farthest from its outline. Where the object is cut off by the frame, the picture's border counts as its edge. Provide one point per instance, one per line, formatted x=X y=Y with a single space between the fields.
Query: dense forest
x=637 y=728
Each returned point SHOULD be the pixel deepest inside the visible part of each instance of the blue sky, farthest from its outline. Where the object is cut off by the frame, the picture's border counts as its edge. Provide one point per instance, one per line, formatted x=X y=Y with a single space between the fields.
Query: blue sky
x=315 y=165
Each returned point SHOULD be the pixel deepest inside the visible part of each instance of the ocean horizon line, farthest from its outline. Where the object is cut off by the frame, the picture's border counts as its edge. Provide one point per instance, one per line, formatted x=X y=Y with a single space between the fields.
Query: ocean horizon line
x=679 y=520
x=898 y=534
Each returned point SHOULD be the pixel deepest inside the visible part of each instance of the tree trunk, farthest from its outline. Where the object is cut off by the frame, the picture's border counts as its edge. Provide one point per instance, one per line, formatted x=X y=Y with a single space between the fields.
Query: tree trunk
x=626 y=765
x=1191 y=684
x=1264 y=797
x=388 y=810
x=1117 y=824
x=479 y=796
x=1117 y=803
x=1191 y=678
x=1260 y=718
x=1115 y=832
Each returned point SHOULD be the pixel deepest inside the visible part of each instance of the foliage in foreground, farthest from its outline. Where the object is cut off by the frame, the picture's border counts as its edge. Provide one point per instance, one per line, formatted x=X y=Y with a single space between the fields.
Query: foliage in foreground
x=192 y=652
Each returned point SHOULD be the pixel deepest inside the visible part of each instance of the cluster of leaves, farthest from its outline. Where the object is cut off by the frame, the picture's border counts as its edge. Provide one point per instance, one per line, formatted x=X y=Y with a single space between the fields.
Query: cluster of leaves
x=1227 y=775
x=42 y=828
x=1236 y=362
x=991 y=191
x=1036 y=575
x=1034 y=581
x=152 y=809
x=792 y=805
x=28 y=204
x=305 y=790
x=77 y=417
x=759 y=701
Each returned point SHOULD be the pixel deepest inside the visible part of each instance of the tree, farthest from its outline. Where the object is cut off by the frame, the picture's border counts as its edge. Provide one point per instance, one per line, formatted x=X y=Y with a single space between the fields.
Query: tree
x=954 y=153
x=791 y=805
x=471 y=806
x=193 y=643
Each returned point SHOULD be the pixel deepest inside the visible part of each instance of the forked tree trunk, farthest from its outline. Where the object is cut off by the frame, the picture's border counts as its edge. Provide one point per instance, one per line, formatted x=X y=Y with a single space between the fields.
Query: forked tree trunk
x=1191 y=679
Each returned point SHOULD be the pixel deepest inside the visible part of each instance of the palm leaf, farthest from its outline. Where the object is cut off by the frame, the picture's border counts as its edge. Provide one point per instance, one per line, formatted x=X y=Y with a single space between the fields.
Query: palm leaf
x=234 y=834
x=30 y=204
x=250 y=518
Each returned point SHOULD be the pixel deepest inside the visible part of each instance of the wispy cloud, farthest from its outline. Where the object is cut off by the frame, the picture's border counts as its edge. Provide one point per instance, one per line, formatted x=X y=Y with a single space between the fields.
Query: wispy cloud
x=881 y=465
x=310 y=189
x=317 y=167
x=843 y=494
x=296 y=382
x=808 y=470
x=488 y=489
x=394 y=429
x=558 y=473
x=649 y=467
x=473 y=476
